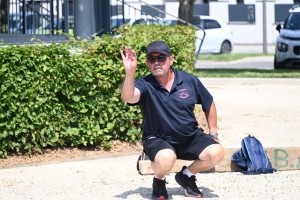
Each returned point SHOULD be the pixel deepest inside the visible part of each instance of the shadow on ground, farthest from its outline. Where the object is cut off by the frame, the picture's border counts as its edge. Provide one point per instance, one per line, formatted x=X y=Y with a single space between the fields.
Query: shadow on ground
x=145 y=192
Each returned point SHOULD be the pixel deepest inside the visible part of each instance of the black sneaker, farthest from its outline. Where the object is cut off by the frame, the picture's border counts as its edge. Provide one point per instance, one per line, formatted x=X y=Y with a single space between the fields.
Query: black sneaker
x=159 y=189
x=189 y=184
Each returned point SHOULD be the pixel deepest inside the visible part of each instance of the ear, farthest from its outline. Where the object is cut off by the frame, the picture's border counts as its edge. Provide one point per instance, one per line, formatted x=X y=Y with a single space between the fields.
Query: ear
x=171 y=59
x=146 y=61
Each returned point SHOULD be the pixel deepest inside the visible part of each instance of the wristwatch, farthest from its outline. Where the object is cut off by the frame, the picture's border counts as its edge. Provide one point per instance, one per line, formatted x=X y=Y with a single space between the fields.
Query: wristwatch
x=214 y=135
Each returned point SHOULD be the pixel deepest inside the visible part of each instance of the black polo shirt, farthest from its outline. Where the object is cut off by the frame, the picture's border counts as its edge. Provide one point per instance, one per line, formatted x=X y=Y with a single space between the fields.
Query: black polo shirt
x=170 y=115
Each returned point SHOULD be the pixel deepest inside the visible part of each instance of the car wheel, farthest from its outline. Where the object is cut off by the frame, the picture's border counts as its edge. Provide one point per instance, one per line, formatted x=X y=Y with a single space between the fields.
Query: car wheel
x=276 y=64
x=225 y=47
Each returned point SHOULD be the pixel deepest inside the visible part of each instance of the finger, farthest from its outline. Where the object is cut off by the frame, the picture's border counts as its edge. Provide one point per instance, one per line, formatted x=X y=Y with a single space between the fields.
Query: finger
x=122 y=53
x=133 y=53
x=128 y=51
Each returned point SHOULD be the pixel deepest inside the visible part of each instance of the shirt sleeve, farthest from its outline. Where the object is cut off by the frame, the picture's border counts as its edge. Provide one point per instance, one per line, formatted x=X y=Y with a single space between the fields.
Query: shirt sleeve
x=204 y=97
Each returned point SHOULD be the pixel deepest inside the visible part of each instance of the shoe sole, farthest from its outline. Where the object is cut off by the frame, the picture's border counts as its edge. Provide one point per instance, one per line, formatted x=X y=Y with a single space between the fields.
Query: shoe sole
x=181 y=183
x=188 y=195
x=159 y=198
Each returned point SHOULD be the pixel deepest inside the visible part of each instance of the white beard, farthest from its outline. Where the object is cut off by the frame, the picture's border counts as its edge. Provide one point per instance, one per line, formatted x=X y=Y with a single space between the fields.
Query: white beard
x=157 y=71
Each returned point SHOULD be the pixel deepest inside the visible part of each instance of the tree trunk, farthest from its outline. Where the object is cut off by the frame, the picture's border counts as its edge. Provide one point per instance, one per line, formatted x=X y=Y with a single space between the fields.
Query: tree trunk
x=185 y=10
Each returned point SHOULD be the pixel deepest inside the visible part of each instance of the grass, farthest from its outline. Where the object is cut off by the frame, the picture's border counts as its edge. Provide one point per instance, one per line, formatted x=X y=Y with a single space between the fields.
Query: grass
x=230 y=57
x=242 y=73
x=247 y=73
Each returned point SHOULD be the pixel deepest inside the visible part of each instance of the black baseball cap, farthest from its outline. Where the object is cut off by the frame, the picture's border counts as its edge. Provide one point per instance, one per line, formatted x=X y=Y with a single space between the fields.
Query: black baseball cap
x=158 y=46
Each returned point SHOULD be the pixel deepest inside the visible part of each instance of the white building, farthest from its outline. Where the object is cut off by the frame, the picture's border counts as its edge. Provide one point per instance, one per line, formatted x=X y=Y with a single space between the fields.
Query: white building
x=244 y=32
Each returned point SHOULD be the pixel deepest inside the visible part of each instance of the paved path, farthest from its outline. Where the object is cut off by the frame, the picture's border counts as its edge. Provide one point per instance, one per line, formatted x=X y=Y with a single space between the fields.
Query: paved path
x=260 y=62
x=252 y=48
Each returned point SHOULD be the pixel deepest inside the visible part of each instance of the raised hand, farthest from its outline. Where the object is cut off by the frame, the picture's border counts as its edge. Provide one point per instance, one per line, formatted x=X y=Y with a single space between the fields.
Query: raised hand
x=129 y=59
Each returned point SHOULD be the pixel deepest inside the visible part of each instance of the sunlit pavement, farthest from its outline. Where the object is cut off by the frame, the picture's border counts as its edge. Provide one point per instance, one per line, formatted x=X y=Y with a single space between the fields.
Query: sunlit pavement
x=260 y=62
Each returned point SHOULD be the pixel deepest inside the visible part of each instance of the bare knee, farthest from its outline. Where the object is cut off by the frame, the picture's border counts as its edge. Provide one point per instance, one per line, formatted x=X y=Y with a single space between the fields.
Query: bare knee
x=165 y=159
x=218 y=154
x=214 y=153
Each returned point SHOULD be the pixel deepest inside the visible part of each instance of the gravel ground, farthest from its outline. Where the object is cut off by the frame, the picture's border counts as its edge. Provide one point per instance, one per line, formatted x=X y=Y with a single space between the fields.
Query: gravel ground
x=269 y=109
x=266 y=108
x=105 y=179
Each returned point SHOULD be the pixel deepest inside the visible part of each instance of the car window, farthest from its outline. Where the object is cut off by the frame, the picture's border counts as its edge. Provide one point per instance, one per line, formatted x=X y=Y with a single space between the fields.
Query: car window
x=196 y=21
x=171 y=21
x=118 y=22
x=155 y=21
x=151 y=21
x=293 y=21
x=32 y=22
x=209 y=24
x=13 y=20
x=139 y=21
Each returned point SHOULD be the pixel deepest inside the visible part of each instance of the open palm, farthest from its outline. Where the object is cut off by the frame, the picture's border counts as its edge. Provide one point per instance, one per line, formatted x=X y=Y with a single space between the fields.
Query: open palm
x=129 y=59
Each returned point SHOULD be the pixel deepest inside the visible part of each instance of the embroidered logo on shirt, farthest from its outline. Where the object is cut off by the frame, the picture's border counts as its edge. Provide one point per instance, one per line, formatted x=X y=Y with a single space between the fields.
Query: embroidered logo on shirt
x=183 y=93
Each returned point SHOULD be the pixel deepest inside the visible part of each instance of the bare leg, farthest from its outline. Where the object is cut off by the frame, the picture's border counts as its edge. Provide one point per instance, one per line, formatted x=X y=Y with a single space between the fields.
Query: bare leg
x=163 y=162
x=209 y=158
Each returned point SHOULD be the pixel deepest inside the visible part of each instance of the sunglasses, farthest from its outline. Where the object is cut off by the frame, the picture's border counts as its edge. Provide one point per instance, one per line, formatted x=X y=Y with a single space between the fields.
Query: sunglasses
x=160 y=58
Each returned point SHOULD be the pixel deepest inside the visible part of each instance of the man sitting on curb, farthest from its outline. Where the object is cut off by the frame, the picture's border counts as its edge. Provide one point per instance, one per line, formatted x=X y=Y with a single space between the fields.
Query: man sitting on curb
x=167 y=99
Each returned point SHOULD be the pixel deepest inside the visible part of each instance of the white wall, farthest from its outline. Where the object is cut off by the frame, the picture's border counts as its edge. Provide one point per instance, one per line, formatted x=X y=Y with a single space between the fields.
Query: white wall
x=243 y=33
x=172 y=8
x=284 y=1
x=220 y=10
x=248 y=33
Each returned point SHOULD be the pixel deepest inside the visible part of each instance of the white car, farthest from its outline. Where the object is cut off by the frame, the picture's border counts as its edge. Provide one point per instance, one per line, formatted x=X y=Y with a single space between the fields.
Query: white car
x=117 y=20
x=218 y=36
x=146 y=19
x=287 y=52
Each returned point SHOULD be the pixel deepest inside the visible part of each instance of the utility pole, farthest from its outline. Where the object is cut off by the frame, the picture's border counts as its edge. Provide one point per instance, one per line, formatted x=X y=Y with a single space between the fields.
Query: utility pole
x=265 y=50
x=84 y=19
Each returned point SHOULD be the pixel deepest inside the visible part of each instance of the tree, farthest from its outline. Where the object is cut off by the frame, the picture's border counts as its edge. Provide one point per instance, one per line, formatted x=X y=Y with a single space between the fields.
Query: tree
x=185 y=10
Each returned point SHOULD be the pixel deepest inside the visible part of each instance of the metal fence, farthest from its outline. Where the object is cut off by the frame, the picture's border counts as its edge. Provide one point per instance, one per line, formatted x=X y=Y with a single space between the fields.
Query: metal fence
x=124 y=13
x=21 y=20
x=44 y=20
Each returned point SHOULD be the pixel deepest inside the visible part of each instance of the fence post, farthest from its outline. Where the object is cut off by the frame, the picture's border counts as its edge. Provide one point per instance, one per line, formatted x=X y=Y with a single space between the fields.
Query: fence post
x=51 y=18
x=24 y=17
x=66 y=16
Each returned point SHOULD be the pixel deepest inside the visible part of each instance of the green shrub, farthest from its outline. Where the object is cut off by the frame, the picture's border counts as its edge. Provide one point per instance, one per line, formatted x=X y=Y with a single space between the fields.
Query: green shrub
x=50 y=97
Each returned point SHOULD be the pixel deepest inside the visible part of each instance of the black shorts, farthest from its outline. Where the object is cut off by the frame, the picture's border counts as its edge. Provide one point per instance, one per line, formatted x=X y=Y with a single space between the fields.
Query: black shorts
x=189 y=151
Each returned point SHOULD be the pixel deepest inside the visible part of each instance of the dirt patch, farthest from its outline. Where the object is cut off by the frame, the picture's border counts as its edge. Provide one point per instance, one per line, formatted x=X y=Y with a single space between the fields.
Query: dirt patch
x=59 y=154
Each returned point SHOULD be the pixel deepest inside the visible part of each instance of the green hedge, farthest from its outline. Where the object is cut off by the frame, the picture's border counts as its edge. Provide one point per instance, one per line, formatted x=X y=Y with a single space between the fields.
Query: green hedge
x=50 y=97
